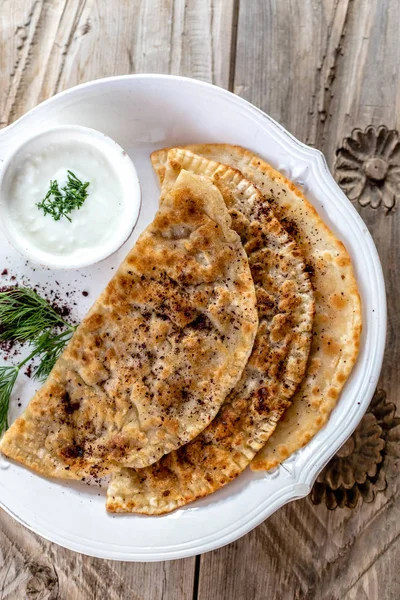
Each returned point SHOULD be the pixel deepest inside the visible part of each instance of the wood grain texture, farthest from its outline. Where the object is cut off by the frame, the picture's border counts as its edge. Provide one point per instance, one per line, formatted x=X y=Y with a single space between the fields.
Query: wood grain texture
x=49 y=45
x=32 y=568
x=322 y=69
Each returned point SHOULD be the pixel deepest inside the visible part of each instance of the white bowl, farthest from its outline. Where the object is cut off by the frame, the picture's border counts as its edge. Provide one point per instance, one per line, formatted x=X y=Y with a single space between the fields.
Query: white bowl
x=143 y=113
x=122 y=167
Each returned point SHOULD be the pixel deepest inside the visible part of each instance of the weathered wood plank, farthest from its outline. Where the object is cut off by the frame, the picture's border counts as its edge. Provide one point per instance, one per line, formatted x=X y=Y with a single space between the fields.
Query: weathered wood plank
x=322 y=69
x=381 y=580
x=49 y=45
x=31 y=567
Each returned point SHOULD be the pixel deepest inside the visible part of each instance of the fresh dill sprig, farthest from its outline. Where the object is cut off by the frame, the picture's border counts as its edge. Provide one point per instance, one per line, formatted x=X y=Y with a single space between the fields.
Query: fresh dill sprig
x=24 y=315
x=27 y=317
x=47 y=348
x=8 y=377
x=60 y=203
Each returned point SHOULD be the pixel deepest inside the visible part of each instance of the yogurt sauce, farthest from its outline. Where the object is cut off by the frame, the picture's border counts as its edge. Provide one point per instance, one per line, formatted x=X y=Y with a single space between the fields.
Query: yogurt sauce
x=92 y=226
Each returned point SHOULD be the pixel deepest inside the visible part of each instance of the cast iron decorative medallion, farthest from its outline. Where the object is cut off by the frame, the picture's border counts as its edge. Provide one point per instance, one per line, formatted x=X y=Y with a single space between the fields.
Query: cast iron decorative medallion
x=368 y=166
x=366 y=463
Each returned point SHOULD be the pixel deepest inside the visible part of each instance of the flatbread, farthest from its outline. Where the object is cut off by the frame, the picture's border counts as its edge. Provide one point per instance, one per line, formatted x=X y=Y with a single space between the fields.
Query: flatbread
x=338 y=320
x=276 y=366
x=151 y=364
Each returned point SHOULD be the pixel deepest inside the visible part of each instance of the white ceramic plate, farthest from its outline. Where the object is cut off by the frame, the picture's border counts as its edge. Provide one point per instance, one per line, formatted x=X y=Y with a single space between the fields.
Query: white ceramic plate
x=142 y=113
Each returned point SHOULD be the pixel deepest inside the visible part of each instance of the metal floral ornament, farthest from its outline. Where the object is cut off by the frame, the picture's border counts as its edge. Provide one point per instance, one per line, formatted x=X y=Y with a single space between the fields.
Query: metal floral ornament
x=368 y=166
x=367 y=462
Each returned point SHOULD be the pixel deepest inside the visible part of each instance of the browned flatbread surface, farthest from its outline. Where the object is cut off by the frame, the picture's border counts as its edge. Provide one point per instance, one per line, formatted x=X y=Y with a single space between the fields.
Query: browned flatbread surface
x=338 y=317
x=154 y=359
x=276 y=366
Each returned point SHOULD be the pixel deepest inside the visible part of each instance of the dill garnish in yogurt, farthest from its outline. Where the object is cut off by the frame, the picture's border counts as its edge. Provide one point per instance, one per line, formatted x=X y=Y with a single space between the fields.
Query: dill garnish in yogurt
x=60 y=203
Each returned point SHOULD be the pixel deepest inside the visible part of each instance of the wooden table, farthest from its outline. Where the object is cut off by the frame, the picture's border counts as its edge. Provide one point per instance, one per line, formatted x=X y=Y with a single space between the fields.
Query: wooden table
x=321 y=68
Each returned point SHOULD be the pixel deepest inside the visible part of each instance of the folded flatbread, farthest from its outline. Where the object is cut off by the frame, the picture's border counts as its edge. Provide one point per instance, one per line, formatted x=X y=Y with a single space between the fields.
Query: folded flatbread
x=337 y=322
x=275 y=368
x=151 y=364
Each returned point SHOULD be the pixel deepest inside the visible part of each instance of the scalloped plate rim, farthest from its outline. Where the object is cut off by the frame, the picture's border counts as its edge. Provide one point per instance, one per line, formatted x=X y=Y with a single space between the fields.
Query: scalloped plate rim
x=299 y=484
